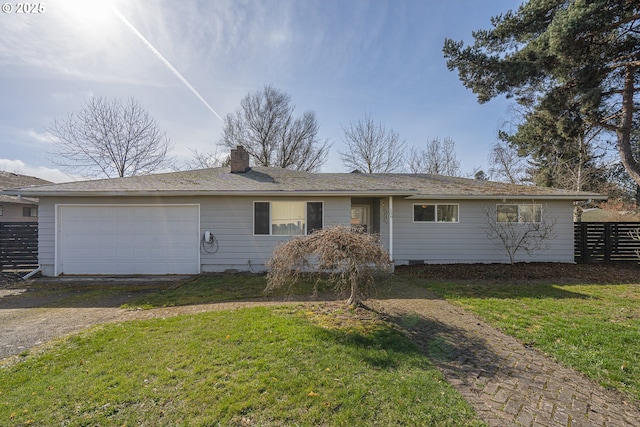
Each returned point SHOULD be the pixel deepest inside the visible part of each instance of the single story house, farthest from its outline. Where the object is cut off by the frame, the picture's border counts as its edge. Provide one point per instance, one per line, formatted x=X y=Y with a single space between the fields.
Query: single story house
x=14 y=208
x=218 y=219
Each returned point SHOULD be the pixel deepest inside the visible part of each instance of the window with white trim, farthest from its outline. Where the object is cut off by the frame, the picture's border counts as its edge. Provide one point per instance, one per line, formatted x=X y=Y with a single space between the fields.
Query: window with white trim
x=425 y=212
x=521 y=213
x=287 y=218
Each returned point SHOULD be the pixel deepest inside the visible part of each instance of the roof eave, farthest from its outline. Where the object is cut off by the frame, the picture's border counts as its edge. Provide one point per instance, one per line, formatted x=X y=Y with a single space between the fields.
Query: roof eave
x=214 y=193
x=407 y=194
x=508 y=197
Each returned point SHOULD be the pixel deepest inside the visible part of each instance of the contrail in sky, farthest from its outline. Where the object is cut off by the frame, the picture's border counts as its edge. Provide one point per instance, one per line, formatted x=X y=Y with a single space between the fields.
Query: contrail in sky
x=164 y=61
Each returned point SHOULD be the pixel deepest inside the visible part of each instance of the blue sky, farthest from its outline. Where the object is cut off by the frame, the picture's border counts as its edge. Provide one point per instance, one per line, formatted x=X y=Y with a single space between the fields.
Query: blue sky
x=341 y=59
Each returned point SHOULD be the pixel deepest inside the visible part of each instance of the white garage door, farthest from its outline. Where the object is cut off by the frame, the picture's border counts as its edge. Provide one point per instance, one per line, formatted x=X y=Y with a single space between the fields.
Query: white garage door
x=132 y=239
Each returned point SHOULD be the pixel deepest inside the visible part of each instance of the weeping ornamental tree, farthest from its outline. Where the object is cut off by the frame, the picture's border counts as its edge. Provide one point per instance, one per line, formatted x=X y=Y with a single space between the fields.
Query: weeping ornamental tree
x=578 y=60
x=349 y=259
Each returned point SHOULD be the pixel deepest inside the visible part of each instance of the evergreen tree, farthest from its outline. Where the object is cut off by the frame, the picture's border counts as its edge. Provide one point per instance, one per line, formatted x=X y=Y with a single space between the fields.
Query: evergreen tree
x=575 y=61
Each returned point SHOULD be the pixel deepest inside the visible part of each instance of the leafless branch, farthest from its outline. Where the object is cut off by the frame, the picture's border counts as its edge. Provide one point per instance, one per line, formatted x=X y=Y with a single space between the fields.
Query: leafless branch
x=110 y=138
x=265 y=125
x=515 y=237
x=202 y=160
x=372 y=148
x=506 y=164
x=438 y=157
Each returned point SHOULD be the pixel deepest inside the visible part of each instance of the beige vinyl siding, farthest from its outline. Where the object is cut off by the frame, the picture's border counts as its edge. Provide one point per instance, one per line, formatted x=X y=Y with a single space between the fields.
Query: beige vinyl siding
x=13 y=212
x=466 y=241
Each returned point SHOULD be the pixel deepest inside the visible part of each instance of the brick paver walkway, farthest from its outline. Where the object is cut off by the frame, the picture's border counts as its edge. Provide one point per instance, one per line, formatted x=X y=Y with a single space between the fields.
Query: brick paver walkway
x=507 y=383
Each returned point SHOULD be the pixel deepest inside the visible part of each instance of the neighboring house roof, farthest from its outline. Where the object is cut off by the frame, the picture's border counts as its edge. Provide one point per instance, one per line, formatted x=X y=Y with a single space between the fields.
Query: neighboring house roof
x=276 y=181
x=606 y=215
x=9 y=180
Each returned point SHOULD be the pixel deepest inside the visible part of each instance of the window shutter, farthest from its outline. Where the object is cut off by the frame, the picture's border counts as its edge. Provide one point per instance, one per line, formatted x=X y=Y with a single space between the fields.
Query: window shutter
x=261 y=218
x=314 y=216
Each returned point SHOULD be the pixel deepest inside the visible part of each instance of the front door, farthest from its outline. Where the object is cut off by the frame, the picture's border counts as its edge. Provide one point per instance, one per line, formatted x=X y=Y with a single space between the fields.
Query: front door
x=361 y=217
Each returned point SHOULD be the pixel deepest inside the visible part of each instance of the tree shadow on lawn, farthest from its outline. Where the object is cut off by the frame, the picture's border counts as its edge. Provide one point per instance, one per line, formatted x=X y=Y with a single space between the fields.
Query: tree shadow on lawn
x=464 y=356
x=411 y=287
x=361 y=343
x=439 y=342
x=533 y=290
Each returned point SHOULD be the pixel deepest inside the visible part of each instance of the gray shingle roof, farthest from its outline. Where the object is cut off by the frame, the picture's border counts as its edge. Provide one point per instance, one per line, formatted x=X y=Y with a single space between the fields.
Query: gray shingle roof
x=14 y=180
x=275 y=181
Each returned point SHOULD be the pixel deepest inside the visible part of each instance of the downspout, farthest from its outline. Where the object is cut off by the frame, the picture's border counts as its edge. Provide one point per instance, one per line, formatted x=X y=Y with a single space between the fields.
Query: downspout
x=391 y=228
x=28 y=275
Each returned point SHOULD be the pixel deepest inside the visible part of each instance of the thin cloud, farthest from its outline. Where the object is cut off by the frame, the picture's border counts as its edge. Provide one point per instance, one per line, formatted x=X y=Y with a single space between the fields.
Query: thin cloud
x=42 y=172
x=43 y=137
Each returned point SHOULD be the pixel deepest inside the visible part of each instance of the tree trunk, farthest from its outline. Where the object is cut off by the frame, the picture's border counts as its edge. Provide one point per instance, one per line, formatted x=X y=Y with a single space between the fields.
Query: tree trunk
x=355 y=298
x=624 y=130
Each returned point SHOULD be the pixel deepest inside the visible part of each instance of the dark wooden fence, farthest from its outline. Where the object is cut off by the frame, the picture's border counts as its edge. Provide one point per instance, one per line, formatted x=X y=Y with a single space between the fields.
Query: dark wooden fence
x=605 y=242
x=18 y=245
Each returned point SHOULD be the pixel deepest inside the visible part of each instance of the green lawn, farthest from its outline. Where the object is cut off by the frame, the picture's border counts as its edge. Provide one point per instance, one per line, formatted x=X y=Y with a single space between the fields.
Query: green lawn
x=263 y=367
x=211 y=288
x=593 y=328
x=303 y=366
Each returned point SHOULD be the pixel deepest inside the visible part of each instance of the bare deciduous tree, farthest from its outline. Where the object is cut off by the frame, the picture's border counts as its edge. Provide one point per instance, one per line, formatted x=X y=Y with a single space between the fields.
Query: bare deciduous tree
x=635 y=235
x=349 y=259
x=372 y=148
x=438 y=157
x=264 y=124
x=201 y=160
x=110 y=138
x=515 y=236
x=506 y=164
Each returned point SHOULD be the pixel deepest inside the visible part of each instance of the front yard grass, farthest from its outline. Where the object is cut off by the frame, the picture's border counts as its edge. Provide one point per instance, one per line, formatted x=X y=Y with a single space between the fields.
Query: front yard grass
x=262 y=366
x=306 y=366
x=594 y=328
x=212 y=288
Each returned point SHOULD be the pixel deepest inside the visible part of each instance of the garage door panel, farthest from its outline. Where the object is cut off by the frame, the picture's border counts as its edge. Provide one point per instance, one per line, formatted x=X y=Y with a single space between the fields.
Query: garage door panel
x=128 y=239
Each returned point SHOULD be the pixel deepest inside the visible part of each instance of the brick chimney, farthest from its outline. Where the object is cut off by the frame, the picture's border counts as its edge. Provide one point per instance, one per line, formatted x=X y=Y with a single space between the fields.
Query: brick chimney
x=239 y=160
